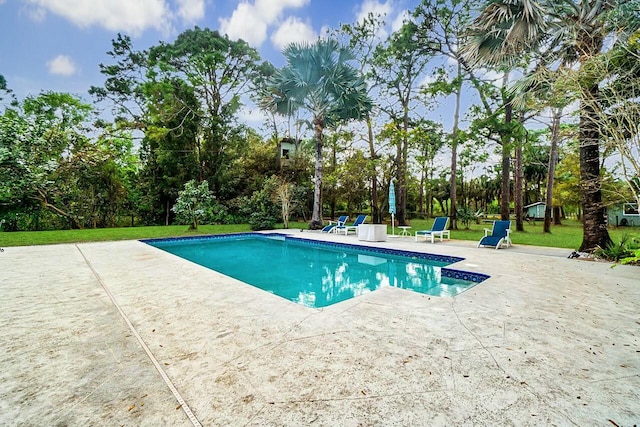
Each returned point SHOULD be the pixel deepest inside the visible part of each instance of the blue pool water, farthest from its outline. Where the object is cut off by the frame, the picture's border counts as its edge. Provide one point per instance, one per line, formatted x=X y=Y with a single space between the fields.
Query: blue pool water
x=318 y=274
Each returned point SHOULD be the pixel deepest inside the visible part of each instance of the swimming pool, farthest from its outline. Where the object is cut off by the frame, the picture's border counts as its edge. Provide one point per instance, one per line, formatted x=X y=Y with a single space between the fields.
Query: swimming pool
x=317 y=273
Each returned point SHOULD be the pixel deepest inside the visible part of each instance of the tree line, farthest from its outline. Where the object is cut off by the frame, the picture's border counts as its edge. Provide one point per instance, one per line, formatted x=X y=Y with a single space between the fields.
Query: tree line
x=355 y=104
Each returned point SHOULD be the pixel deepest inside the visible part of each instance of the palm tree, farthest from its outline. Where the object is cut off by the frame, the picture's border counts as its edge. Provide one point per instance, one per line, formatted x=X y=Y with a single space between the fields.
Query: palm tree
x=319 y=78
x=540 y=84
x=569 y=32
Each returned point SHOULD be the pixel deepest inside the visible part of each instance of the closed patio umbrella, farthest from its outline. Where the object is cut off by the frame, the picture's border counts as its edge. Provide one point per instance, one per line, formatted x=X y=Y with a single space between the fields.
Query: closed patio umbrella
x=392 y=206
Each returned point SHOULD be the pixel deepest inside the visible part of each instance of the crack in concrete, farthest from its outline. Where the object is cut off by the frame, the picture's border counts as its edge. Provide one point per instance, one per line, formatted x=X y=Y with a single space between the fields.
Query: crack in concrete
x=476 y=337
x=367 y=397
x=86 y=396
x=616 y=378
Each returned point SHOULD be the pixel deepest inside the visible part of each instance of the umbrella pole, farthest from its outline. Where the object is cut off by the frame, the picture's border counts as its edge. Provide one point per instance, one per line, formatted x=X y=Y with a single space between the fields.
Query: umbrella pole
x=393 y=231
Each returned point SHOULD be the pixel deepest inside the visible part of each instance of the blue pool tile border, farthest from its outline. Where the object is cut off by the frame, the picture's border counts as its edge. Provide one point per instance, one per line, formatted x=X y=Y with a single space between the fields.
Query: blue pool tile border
x=464 y=275
x=387 y=251
x=209 y=237
x=446 y=272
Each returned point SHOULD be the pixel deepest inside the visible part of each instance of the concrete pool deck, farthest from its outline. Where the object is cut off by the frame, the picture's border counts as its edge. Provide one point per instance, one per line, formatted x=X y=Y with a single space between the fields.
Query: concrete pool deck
x=545 y=341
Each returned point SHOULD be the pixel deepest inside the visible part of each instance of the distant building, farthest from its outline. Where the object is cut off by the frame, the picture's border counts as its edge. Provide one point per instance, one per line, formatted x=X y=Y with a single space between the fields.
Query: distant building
x=287 y=149
x=535 y=210
x=623 y=214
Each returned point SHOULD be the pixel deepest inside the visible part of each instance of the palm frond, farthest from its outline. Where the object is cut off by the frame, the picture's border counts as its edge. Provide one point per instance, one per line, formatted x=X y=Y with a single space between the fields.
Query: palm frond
x=541 y=83
x=503 y=31
x=320 y=78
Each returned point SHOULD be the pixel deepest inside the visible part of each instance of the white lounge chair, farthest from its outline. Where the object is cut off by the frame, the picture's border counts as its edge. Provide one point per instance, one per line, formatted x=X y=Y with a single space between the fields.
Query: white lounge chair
x=439 y=228
x=500 y=233
x=353 y=227
x=331 y=227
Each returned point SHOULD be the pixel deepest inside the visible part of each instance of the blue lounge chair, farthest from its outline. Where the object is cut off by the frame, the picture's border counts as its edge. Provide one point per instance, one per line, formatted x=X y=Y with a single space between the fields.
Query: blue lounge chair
x=331 y=227
x=353 y=227
x=499 y=234
x=439 y=228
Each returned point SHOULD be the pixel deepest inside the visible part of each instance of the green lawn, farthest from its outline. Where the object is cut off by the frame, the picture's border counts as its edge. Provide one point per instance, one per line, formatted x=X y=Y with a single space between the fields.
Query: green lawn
x=568 y=235
x=27 y=238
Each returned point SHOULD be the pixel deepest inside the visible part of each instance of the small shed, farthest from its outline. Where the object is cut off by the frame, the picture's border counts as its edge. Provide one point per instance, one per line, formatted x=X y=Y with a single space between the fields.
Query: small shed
x=624 y=214
x=535 y=210
x=287 y=148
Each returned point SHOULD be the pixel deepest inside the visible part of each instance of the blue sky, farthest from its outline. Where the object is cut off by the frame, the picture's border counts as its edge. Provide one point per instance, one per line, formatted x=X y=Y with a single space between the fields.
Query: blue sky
x=58 y=44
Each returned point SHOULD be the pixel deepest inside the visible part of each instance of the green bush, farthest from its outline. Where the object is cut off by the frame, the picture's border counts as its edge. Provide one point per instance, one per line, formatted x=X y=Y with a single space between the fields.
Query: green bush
x=465 y=215
x=262 y=221
x=193 y=203
x=261 y=211
x=634 y=258
x=217 y=213
x=616 y=251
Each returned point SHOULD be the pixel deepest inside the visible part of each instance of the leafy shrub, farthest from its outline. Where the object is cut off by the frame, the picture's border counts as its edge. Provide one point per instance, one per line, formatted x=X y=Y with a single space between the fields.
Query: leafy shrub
x=284 y=195
x=465 y=215
x=634 y=258
x=262 y=221
x=217 y=213
x=615 y=251
x=193 y=203
x=261 y=211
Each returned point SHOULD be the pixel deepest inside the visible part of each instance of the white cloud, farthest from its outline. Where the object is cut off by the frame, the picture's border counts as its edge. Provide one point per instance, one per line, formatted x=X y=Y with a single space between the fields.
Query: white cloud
x=250 y=21
x=375 y=8
x=190 y=10
x=400 y=19
x=428 y=79
x=36 y=14
x=246 y=24
x=115 y=15
x=293 y=30
x=62 y=65
x=325 y=31
x=252 y=116
x=271 y=9
x=496 y=78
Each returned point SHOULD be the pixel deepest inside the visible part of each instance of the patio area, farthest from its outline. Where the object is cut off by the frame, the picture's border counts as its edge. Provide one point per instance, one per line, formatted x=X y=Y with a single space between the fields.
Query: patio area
x=545 y=341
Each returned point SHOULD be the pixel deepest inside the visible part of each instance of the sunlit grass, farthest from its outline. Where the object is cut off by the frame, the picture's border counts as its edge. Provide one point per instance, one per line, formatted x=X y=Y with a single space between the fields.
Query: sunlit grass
x=27 y=238
x=568 y=235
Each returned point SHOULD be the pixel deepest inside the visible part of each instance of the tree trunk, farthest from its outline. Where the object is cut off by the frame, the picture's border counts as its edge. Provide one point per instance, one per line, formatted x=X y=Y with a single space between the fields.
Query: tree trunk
x=453 y=190
x=423 y=173
x=557 y=215
x=401 y=214
x=553 y=160
x=517 y=193
x=166 y=213
x=334 y=166
x=316 y=217
x=453 y=221
x=594 y=225
x=430 y=195
x=375 y=211
x=401 y=195
x=75 y=224
x=506 y=158
x=505 y=194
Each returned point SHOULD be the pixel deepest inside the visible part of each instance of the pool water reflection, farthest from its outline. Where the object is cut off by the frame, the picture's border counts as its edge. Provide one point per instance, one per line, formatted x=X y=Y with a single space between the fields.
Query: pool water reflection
x=313 y=274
